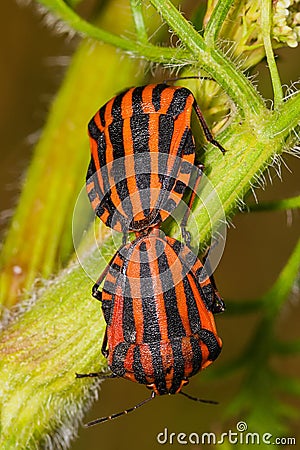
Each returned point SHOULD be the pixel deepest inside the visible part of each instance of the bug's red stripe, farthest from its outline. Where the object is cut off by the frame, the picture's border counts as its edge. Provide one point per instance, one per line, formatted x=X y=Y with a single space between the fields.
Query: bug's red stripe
x=147 y=362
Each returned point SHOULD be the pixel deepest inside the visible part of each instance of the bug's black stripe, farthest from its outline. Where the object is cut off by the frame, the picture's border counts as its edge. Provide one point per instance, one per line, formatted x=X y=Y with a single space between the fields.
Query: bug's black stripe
x=187 y=265
x=101 y=150
x=107 y=309
x=129 y=331
x=115 y=216
x=151 y=327
x=186 y=145
x=139 y=125
x=138 y=369
x=179 y=187
x=118 y=358
x=186 y=167
x=211 y=342
x=193 y=313
x=156 y=95
x=115 y=267
x=197 y=356
x=93 y=129
x=91 y=177
x=116 y=110
x=137 y=100
x=177 y=247
x=102 y=115
x=109 y=287
x=207 y=291
x=178 y=102
x=165 y=134
x=175 y=326
x=128 y=324
x=157 y=364
x=92 y=194
x=115 y=130
x=178 y=365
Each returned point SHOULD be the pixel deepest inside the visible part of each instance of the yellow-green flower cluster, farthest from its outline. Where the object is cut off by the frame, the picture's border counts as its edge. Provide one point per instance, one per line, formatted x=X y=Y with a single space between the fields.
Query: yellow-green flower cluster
x=286 y=22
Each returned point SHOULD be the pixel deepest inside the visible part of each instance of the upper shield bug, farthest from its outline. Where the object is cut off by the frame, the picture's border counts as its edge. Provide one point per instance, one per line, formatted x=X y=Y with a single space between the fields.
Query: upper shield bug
x=158 y=302
x=142 y=150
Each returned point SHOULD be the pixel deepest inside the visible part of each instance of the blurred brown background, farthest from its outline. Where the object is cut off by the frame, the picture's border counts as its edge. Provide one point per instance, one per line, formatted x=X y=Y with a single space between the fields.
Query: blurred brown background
x=258 y=245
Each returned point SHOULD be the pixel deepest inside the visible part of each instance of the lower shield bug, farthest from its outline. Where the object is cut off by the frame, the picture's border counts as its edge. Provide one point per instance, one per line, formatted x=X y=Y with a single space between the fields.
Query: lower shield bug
x=158 y=303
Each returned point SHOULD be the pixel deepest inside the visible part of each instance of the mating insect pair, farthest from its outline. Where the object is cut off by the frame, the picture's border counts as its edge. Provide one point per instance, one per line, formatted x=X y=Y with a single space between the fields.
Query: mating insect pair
x=157 y=299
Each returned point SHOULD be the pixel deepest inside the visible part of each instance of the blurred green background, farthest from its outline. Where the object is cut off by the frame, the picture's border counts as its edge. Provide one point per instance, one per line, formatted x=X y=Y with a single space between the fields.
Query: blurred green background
x=33 y=60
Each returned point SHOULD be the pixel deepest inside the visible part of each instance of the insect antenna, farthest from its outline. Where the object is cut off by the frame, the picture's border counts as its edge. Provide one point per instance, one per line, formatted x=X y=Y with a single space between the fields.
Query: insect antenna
x=103 y=376
x=121 y=413
x=191 y=77
x=196 y=399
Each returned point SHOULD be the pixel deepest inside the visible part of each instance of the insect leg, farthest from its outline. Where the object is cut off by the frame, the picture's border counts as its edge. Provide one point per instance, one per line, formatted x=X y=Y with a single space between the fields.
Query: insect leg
x=98 y=294
x=104 y=349
x=196 y=399
x=101 y=375
x=218 y=305
x=206 y=130
x=126 y=411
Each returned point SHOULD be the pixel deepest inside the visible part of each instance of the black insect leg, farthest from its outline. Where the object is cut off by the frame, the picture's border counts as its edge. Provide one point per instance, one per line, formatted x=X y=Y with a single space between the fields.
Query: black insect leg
x=121 y=413
x=103 y=376
x=218 y=305
x=104 y=349
x=205 y=128
x=95 y=292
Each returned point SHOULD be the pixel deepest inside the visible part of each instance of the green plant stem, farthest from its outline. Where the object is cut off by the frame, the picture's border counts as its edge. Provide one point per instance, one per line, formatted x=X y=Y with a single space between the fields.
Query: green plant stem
x=39 y=239
x=212 y=61
x=277 y=295
x=39 y=356
x=145 y=50
x=276 y=205
x=283 y=122
x=287 y=348
x=216 y=21
x=266 y=23
x=137 y=13
x=222 y=70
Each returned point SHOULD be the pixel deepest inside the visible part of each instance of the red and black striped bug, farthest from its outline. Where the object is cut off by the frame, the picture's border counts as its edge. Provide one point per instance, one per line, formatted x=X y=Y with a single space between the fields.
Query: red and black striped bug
x=142 y=150
x=158 y=302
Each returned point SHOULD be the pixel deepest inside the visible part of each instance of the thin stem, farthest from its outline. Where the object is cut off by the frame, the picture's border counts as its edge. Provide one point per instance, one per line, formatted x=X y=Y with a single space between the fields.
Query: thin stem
x=288 y=116
x=148 y=51
x=288 y=348
x=284 y=283
x=277 y=205
x=266 y=21
x=216 y=21
x=221 y=69
x=137 y=13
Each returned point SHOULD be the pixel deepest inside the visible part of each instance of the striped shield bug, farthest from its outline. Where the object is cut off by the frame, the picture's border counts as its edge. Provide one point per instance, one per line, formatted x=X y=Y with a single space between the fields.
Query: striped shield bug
x=158 y=303
x=142 y=150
